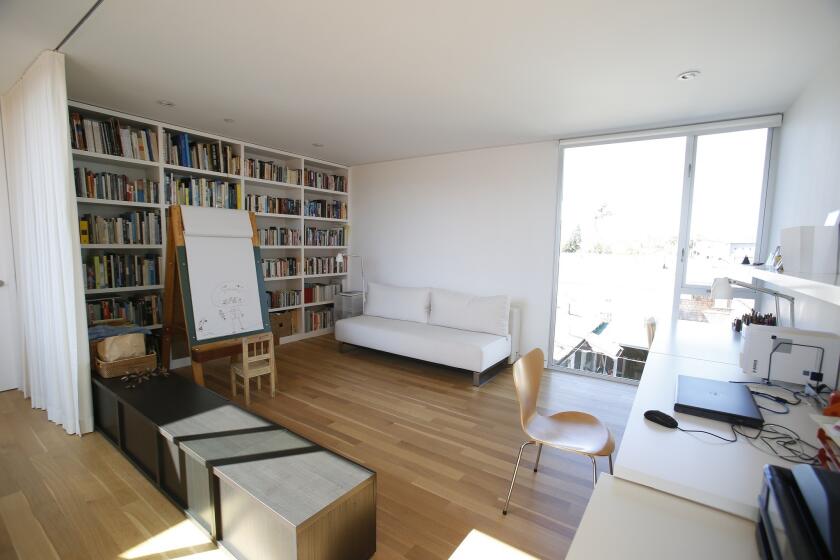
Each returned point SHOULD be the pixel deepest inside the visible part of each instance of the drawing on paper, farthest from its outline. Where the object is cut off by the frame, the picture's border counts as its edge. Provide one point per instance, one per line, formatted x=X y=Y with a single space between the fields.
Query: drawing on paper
x=230 y=301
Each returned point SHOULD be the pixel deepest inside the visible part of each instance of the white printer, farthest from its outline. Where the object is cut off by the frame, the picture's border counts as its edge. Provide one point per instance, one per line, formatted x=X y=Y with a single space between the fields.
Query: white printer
x=789 y=355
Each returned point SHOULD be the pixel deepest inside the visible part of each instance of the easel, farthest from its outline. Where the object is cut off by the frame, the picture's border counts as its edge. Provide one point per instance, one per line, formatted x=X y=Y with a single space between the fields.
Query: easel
x=174 y=315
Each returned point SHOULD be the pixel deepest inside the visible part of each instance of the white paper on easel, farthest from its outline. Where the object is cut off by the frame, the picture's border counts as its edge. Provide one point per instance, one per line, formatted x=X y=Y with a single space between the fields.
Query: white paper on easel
x=224 y=287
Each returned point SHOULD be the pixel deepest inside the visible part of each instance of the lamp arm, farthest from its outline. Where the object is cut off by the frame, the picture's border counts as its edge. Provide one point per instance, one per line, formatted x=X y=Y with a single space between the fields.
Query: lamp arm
x=773 y=293
x=762 y=290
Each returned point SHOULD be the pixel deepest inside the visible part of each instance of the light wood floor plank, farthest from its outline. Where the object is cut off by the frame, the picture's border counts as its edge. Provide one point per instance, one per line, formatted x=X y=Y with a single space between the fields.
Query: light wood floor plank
x=443 y=452
x=26 y=534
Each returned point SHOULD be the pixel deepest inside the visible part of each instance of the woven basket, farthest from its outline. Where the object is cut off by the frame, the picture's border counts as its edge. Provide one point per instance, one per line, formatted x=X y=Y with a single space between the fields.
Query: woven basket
x=126 y=366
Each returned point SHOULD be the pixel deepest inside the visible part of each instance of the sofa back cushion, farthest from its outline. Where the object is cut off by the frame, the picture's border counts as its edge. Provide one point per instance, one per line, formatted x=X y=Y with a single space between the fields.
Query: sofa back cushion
x=470 y=313
x=393 y=302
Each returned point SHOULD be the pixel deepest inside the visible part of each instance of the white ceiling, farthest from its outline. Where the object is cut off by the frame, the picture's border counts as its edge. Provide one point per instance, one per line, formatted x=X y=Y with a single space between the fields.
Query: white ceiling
x=375 y=80
x=28 y=27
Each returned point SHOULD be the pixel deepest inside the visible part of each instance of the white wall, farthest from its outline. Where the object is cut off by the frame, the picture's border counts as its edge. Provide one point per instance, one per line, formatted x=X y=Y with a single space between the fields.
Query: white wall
x=807 y=182
x=481 y=221
x=10 y=343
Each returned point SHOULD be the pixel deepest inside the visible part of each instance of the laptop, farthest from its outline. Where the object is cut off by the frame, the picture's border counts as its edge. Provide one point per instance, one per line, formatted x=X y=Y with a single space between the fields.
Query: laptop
x=719 y=400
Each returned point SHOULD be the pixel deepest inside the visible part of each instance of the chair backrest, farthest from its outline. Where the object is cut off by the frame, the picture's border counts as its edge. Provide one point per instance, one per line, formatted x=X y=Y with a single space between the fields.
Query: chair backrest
x=258 y=351
x=527 y=376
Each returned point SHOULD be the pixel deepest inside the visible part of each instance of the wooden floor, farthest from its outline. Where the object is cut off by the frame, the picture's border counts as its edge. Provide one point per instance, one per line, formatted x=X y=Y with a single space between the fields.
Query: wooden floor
x=443 y=452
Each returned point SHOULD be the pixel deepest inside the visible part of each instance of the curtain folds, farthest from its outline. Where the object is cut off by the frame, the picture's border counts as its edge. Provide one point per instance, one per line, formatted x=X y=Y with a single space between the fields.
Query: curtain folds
x=45 y=228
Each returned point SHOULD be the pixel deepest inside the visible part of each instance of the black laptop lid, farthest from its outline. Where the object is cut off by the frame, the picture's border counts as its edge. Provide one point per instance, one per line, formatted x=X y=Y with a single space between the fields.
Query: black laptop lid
x=719 y=400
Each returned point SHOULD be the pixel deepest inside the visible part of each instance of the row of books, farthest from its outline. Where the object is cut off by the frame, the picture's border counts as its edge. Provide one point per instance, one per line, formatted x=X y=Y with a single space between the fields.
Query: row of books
x=208 y=156
x=141 y=310
x=131 y=228
x=122 y=271
x=112 y=186
x=317 y=293
x=110 y=137
x=280 y=267
x=271 y=171
x=333 y=237
x=325 y=181
x=283 y=298
x=326 y=209
x=323 y=265
x=272 y=204
x=200 y=191
x=279 y=236
x=318 y=319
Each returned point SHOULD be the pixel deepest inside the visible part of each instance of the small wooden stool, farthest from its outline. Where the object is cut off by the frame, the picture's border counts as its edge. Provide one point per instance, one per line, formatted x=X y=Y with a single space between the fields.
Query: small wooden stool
x=256 y=360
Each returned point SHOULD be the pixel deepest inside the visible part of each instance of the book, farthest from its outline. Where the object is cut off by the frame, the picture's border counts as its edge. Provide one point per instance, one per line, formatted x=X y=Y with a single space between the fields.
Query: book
x=84 y=231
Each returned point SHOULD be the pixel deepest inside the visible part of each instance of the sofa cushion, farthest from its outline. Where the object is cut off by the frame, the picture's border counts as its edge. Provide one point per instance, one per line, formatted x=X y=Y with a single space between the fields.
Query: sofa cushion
x=473 y=351
x=393 y=302
x=470 y=313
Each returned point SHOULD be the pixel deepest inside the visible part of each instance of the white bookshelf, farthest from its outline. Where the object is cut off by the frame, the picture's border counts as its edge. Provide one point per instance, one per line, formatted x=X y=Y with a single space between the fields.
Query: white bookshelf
x=159 y=170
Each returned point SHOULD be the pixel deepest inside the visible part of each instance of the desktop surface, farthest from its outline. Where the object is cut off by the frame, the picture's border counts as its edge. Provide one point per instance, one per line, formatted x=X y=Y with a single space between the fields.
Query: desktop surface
x=698 y=467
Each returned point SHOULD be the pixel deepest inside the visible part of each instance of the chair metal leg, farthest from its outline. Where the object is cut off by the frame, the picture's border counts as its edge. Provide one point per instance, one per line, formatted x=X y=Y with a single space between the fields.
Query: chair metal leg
x=512 y=480
x=539 y=452
x=611 y=464
x=594 y=471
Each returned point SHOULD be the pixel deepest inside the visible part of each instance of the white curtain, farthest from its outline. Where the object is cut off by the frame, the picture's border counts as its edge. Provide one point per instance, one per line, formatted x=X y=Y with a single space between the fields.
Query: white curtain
x=45 y=229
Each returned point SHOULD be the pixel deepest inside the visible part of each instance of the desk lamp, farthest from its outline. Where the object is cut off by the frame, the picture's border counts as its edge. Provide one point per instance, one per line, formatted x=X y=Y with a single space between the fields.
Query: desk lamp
x=722 y=289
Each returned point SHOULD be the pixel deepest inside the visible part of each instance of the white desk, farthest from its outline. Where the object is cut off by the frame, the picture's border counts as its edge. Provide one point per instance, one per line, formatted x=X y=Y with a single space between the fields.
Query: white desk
x=701 y=341
x=626 y=520
x=726 y=476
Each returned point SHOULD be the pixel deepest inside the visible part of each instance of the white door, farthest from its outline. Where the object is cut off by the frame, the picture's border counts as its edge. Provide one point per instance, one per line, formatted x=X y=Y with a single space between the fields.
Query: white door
x=10 y=367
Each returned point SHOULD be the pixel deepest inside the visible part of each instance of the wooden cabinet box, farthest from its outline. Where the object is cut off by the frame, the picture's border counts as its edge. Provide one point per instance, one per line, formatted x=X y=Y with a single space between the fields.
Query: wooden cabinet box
x=312 y=504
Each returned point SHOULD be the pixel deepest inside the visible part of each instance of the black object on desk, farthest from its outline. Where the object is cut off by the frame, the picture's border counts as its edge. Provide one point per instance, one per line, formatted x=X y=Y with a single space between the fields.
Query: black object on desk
x=799 y=514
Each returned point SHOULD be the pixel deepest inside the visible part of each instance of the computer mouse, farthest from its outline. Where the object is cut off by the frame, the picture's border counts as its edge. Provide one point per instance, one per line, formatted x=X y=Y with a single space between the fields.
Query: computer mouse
x=659 y=417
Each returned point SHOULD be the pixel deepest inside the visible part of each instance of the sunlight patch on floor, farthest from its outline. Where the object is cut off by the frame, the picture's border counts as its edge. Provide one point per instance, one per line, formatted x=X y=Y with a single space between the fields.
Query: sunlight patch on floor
x=480 y=546
x=182 y=536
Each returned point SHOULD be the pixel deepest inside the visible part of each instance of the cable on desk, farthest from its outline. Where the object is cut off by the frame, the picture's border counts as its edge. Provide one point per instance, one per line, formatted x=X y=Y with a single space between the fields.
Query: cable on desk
x=727 y=440
x=782 y=442
x=778 y=400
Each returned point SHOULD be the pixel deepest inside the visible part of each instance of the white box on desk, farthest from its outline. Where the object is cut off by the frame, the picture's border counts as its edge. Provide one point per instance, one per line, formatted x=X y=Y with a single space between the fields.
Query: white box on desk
x=810 y=249
x=796 y=350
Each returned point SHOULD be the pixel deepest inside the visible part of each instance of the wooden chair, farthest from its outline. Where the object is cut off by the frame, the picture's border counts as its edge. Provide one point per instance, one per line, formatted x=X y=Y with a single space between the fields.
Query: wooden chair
x=256 y=360
x=577 y=432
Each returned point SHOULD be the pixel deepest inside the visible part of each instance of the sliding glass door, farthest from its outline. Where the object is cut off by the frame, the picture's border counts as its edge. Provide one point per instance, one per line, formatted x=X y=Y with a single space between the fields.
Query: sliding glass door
x=644 y=228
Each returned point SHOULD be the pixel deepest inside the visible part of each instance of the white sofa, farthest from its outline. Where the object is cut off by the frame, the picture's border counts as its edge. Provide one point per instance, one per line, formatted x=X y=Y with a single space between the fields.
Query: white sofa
x=440 y=326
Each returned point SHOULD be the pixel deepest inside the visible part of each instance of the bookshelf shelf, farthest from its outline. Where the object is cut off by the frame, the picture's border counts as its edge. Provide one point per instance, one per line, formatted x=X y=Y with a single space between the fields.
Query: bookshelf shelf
x=271 y=183
x=317 y=219
x=120 y=203
x=137 y=169
x=111 y=246
x=278 y=278
x=324 y=191
x=100 y=291
x=181 y=170
x=331 y=275
x=86 y=155
x=316 y=303
x=287 y=308
x=270 y=215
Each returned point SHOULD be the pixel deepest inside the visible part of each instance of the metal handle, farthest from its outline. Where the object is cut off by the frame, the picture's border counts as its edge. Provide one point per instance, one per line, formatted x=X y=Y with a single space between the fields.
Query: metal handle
x=2 y=283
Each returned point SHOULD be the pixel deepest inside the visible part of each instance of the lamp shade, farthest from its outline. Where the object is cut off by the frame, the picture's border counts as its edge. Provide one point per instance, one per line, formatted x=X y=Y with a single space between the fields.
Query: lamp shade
x=721 y=289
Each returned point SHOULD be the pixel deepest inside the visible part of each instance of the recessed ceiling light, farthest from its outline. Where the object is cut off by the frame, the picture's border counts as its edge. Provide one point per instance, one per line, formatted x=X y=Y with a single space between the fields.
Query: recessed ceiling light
x=165 y=103
x=317 y=145
x=688 y=75
x=229 y=120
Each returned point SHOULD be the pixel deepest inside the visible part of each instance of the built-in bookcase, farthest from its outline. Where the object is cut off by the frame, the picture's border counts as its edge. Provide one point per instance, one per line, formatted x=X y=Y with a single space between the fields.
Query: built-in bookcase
x=301 y=205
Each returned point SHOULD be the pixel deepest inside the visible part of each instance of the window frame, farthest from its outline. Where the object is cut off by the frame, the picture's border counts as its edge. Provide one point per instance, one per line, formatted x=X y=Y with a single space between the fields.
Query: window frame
x=691 y=133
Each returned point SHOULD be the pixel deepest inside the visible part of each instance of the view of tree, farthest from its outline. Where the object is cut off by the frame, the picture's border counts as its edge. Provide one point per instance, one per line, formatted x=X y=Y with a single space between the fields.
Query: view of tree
x=573 y=244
